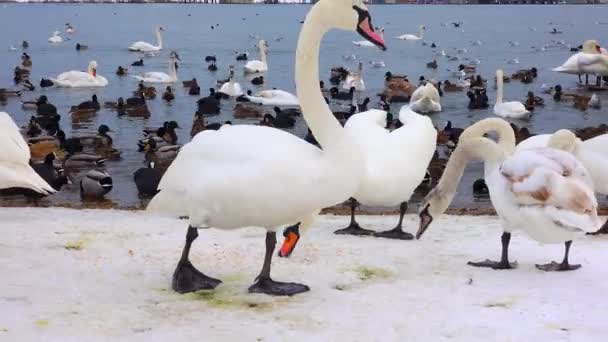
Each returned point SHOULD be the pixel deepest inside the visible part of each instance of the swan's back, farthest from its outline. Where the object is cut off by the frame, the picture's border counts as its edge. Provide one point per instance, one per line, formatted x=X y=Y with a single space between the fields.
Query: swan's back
x=513 y=110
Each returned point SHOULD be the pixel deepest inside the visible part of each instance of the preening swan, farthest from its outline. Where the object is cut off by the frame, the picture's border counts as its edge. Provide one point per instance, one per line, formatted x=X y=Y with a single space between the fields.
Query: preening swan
x=161 y=77
x=425 y=99
x=80 y=79
x=393 y=169
x=589 y=61
x=544 y=191
x=56 y=38
x=231 y=88
x=367 y=43
x=256 y=66
x=275 y=97
x=15 y=170
x=512 y=109
x=142 y=46
x=420 y=35
x=218 y=183
x=355 y=79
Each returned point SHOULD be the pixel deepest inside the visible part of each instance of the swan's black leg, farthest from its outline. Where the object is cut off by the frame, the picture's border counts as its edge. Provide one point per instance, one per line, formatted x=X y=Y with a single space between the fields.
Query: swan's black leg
x=186 y=278
x=353 y=228
x=563 y=266
x=264 y=284
x=397 y=232
x=504 y=263
x=603 y=230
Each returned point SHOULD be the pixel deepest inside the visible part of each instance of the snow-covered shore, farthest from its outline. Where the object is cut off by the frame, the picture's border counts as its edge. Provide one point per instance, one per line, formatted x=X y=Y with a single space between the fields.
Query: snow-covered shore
x=83 y=275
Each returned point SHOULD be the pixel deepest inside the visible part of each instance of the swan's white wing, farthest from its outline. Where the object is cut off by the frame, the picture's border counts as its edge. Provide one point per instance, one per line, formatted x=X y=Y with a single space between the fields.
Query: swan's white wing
x=142 y=46
x=231 y=89
x=275 y=97
x=256 y=66
x=154 y=77
x=219 y=183
x=571 y=65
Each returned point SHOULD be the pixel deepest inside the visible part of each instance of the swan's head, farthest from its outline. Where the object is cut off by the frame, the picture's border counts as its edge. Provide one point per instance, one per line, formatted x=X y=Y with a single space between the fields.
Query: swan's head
x=563 y=140
x=174 y=56
x=435 y=203
x=93 y=68
x=262 y=44
x=160 y=29
x=592 y=46
x=351 y=15
x=56 y=33
x=499 y=74
x=422 y=28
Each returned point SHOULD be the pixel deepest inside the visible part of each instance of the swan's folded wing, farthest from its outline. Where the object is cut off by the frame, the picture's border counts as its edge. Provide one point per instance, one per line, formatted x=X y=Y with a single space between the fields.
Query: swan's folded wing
x=14 y=147
x=587 y=59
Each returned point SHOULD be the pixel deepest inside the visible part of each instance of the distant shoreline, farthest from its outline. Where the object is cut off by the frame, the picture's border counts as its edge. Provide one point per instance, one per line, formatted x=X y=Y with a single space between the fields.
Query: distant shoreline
x=245 y=2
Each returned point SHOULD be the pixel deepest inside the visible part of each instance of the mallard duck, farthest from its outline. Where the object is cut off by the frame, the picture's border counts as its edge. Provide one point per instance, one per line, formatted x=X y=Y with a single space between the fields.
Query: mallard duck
x=168 y=94
x=84 y=160
x=451 y=87
x=147 y=179
x=121 y=71
x=93 y=104
x=161 y=156
x=243 y=111
x=140 y=62
x=95 y=184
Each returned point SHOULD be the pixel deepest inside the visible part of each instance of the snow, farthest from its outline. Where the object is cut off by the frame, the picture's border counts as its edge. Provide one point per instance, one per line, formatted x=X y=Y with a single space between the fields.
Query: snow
x=114 y=282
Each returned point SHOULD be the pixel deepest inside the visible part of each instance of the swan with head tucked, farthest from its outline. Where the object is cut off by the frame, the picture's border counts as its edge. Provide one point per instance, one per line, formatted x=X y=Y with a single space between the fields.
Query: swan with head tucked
x=590 y=60
x=425 y=99
x=355 y=79
x=217 y=183
x=56 y=38
x=15 y=170
x=592 y=153
x=161 y=77
x=275 y=97
x=367 y=43
x=512 y=109
x=393 y=170
x=80 y=79
x=420 y=35
x=142 y=46
x=545 y=191
x=231 y=88
x=261 y=65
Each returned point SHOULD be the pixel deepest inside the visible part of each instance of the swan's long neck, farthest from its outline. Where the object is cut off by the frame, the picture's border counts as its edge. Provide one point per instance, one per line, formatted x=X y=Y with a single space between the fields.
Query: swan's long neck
x=159 y=39
x=505 y=135
x=316 y=112
x=263 y=53
x=172 y=70
x=421 y=32
x=499 y=85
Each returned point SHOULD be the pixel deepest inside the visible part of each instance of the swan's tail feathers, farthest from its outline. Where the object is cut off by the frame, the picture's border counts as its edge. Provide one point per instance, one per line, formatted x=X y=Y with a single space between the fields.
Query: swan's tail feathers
x=560 y=69
x=167 y=203
x=23 y=176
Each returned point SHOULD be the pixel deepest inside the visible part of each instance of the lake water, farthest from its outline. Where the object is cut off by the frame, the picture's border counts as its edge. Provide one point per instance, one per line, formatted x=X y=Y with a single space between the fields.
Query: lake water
x=109 y=29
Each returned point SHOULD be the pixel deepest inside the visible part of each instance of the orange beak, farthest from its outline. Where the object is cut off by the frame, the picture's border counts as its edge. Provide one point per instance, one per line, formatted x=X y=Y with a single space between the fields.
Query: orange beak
x=94 y=72
x=292 y=236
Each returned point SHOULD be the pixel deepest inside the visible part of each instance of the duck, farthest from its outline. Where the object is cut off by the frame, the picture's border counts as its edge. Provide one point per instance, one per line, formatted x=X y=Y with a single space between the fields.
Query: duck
x=121 y=71
x=81 y=47
x=84 y=160
x=242 y=56
x=243 y=111
x=45 y=83
x=367 y=43
x=425 y=99
x=95 y=185
x=209 y=59
x=546 y=192
x=451 y=87
x=257 y=80
x=15 y=170
x=533 y=101
x=355 y=79
x=79 y=79
x=25 y=44
x=257 y=66
x=120 y=106
x=274 y=97
x=384 y=184
x=92 y=105
x=282 y=119
x=53 y=175
x=56 y=38
x=414 y=37
x=147 y=179
x=140 y=62
x=589 y=61
x=212 y=67
x=231 y=88
x=397 y=88
x=513 y=109
x=142 y=46
x=336 y=94
x=432 y=65
x=148 y=92
x=168 y=94
x=209 y=105
x=161 y=156
x=480 y=189
x=268 y=150
x=161 y=77
x=198 y=124
x=194 y=88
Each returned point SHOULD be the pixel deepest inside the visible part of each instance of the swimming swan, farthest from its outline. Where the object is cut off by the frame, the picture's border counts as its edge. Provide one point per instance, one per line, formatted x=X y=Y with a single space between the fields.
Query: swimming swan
x=512 y=109
x=80 y=79
x=142 y=46
x=161 y=77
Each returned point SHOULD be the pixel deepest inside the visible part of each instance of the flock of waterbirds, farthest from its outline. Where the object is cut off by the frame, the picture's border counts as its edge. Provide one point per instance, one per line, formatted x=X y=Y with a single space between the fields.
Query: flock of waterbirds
x=542 y=184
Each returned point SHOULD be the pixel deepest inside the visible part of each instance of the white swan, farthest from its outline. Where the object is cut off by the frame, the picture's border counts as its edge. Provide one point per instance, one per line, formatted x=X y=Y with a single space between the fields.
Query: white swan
x=275 y=97
x=161 y=77
x=393 y=168
x=56 y=38
x=15 y=170
x=367 y=43
x=420 y=35
x=545 y=192
x=80 y=79
x=142 y=46
x=512 y=109
x=589 y=61
x=425 y=99
x=261 y=65
x=355 y=79
x=219 y=184
x=231 y=88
